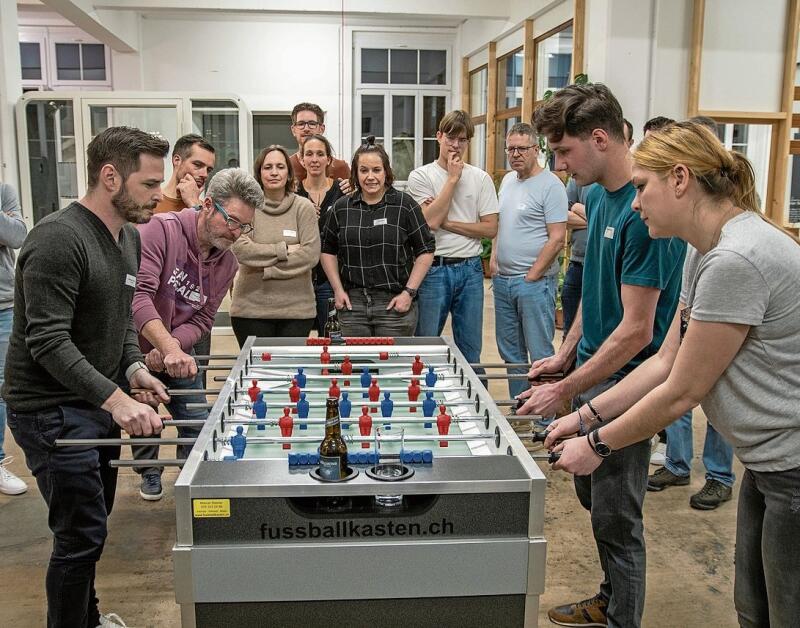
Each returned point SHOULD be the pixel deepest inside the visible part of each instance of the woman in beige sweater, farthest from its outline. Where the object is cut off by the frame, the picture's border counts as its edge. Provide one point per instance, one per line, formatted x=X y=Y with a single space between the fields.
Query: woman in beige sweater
x=273 y=295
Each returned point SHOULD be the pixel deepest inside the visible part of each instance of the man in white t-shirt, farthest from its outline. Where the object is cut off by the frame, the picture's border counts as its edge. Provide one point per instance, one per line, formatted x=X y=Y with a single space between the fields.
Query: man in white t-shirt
x=524 y=263
x=460 y=205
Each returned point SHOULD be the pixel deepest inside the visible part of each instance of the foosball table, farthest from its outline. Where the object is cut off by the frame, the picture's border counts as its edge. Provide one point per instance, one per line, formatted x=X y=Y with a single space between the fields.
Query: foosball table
x=438 y=522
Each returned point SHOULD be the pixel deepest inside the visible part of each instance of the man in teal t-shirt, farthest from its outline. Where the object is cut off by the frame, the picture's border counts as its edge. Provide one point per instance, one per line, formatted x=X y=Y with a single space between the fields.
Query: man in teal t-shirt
x=630 y=292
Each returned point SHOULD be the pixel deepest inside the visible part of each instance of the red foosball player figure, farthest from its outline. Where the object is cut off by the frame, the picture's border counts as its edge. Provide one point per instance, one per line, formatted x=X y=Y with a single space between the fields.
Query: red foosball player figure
x=347 y=369
x=286 y=424
x=325 y=358
x=417 y=366
x=294 y=394
x=253 y=391
x=334 y=389
x=443 y=425
x=374 y=393
x=365 y=425
x=413 y=393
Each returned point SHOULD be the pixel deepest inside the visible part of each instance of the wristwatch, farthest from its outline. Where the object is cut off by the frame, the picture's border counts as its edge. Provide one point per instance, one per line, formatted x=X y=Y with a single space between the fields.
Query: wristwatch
x=599 y=447
x=411 y=291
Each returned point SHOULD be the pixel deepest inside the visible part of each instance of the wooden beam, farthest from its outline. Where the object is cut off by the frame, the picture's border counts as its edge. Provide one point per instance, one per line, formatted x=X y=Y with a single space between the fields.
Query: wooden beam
x=491 y=108
x=465 y=84
x=527 y=72
x=779 y=163
x=746 y=117
x=578 y=38
x=696 y=57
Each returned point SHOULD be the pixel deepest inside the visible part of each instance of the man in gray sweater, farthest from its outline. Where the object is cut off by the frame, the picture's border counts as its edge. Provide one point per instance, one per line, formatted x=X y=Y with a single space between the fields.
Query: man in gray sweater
x=12 y=234
x=71 y=343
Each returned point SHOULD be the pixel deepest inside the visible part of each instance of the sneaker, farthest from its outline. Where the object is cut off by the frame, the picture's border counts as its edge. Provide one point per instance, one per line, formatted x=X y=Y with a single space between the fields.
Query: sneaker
x=659 y=455
x=591 y=612
x=112 y=620
x=663 y=478
x=10 y=484
x=151 y=486
x=711 y=495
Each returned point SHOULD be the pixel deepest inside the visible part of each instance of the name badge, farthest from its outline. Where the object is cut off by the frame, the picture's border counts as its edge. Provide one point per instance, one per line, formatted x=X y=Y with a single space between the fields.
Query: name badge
x=609 y=233
x=379 y=221
x=130 y=280
x=291 y=233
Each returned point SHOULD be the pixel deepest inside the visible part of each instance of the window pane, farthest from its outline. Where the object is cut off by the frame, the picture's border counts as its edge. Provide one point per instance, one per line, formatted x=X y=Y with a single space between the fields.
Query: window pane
x=31 y=61
x=509 y=84
x=372 y=116
x=68 y=63
x=404 y=66
x=402 y=158
x=430 y=151
x=218 y=122
x=432 y=113
x=477 y=92
x=94 y=62
x=477 y=147
x=272 y=129
x=503 y=127
x=432 y=67
x=403 y=116
x=374 y=65
x=553 y=62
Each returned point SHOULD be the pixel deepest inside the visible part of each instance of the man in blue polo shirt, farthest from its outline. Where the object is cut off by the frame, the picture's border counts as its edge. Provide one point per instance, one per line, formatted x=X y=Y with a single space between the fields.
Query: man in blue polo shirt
x=630 y=291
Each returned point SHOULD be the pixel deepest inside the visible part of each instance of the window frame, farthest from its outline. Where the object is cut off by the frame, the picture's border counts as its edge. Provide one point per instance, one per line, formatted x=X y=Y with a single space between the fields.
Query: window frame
x=29 y=35
x=74 y=36
x=536 y=41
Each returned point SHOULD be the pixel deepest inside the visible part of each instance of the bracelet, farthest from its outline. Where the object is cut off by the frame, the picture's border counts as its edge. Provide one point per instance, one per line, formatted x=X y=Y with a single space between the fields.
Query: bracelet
x=595 y=412
x=581 y=425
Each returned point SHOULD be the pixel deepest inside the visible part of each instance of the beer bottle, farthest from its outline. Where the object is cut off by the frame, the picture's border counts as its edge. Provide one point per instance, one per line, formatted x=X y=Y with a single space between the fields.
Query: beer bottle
x=332 y=450
x=333 y=328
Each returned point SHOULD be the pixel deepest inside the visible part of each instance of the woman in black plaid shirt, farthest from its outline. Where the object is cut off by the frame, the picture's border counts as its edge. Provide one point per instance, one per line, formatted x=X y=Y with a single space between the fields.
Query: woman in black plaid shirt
x=376 y=250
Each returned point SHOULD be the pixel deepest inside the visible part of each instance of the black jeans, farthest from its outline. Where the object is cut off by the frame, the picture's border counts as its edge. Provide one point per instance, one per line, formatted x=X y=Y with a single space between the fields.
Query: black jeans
x=369 y=316
x=614 y=495
x=767 y=585
x=270 y=327
x=571 y=293
x=78 y=486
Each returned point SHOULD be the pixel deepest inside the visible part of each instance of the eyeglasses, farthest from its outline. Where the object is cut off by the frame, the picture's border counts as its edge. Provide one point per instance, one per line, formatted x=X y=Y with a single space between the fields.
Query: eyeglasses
x=522 y=150
x=232 y=223
x=461 y=141
x=311 y=124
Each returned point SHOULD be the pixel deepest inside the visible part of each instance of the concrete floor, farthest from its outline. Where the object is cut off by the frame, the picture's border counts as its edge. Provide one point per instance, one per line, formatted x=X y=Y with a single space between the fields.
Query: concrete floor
x=690 y=553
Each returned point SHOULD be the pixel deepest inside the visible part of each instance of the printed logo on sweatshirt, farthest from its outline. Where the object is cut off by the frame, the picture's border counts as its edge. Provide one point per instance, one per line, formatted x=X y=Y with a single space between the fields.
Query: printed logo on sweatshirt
x=187 y=286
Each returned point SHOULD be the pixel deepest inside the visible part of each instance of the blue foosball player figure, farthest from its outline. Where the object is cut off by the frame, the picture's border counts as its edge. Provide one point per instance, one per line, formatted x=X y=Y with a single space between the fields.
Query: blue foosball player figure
x=366 y=380
x=430 y=378
x=302 y=409
x=428 y=407
x=239 y=443
x=345 y=407
x=301 y=378
x=260 y=409
x=387 y=407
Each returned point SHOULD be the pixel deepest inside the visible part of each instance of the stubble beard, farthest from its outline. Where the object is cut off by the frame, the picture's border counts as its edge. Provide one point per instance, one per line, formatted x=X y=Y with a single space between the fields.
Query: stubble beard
x=130 y=210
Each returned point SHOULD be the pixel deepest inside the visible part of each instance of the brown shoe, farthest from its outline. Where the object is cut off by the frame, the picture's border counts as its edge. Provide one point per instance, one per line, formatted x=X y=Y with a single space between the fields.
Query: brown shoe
x=663 y=478
x=591 y=612
x=710 y=496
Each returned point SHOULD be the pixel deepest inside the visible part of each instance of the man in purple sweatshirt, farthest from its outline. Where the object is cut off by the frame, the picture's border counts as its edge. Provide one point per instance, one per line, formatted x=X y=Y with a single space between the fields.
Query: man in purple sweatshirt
x=185 y=271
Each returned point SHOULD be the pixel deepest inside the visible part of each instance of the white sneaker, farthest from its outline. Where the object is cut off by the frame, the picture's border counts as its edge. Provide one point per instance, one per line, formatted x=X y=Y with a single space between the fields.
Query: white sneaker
x=10 y=484
x=659 y=455
x=112 y=620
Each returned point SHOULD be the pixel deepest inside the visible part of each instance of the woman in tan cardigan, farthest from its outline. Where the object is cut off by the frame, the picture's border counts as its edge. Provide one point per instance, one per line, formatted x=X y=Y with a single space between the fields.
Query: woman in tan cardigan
x=273 y=295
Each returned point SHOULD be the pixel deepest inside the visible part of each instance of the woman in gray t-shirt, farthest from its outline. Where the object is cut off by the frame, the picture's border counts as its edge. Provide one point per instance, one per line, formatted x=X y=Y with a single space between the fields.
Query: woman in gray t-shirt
x=734 y=348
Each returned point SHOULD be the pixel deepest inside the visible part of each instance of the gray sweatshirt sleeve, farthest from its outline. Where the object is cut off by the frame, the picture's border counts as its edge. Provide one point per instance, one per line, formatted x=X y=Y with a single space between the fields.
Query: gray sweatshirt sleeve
x=12 y=227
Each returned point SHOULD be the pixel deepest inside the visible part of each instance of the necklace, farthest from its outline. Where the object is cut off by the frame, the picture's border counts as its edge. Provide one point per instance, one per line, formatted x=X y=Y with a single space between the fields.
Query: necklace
x=317 y=195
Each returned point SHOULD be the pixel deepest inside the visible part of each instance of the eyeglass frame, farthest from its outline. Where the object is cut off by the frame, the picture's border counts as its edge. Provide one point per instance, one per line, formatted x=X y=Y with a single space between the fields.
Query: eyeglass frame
x=458 y=141
x=522 y=150
x=310 y=124
x=232 y=223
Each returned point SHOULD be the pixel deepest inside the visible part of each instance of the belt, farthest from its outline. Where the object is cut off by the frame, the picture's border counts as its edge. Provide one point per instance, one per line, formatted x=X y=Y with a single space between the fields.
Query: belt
x=447 y=261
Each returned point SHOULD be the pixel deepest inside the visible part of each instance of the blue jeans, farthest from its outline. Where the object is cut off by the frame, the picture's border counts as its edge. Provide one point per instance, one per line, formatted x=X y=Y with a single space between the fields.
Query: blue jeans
x=717 y=454
x=78 y=486
x=571 y=293
x=766 y=591
x=525 y=321
x=177 y=408
x=6 y=317
x=322 y=292
x=614 y=495
x=456 y=289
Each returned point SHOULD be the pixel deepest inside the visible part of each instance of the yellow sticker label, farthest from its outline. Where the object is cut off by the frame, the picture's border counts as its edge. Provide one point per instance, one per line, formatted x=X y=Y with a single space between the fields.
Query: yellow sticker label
x=211 y=508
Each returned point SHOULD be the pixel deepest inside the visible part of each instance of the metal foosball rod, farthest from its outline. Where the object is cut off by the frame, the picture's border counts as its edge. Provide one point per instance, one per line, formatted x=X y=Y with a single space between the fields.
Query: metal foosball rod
x=180 y=392
x=384 y=438
x=114 y=442
x=359 y=389
x=159 y=462
x=550 y=457
x=353 y=421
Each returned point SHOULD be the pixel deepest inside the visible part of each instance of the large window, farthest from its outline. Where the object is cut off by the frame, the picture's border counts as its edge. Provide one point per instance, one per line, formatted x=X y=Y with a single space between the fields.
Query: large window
x=62 y=58
x=509 y=102
x=752 y=141
x=478 y=97
x=553 y=60
x=401 y=94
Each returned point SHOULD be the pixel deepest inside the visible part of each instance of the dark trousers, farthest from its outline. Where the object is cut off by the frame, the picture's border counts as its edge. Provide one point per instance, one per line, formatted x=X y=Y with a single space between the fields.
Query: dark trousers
x=202 y=347
x=571 y=293
x=78 y=486
x=614 y=495
x=270 y=328
x=322 y=292
x=369 y=316
x=767 y=587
